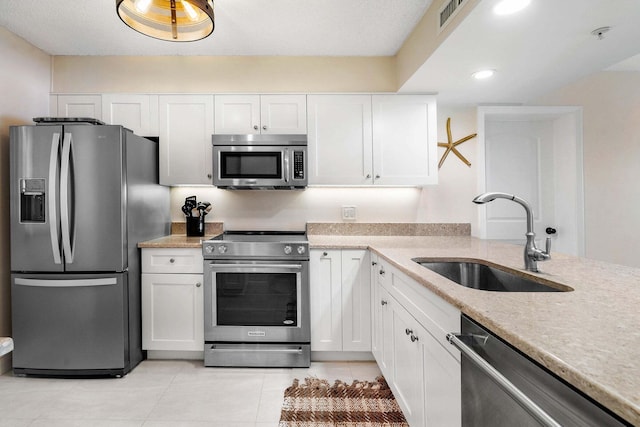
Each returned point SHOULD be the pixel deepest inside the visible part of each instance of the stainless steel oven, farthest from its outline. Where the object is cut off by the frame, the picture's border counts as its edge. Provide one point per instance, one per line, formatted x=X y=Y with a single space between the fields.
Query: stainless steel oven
x=257 y=299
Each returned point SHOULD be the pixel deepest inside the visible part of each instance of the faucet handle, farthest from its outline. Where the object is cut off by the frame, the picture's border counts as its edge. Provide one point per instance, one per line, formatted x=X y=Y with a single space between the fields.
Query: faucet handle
x=547 y=246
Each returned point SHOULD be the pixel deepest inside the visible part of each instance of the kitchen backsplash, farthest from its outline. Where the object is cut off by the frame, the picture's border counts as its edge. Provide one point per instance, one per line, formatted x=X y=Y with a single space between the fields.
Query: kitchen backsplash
x=389 y=229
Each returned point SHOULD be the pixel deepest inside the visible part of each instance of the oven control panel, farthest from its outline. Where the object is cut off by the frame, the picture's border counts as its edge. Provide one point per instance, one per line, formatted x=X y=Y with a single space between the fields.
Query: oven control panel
x=212 y=249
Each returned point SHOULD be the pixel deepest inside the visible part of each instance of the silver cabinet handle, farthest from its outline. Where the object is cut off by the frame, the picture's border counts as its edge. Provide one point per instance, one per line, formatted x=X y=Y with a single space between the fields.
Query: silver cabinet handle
x=377 y=176
x=198 y=284
x=382 y=272
x=264 y=127
x=171 y=260
x=255 y=127
x=324 y=254
x=408 y=331
x=368 y=176
x=209 y=176
x=414 y=338
x=373 y=263
x=506 y=385
x=383 y=302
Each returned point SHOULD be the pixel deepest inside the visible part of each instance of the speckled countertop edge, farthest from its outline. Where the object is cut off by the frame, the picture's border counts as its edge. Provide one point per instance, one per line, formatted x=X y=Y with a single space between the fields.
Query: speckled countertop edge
x=589 y=337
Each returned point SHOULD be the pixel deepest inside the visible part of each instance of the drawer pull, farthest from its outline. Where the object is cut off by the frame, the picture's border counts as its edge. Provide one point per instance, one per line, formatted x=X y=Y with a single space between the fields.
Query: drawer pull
x=414 y=338
x=171 y=260
x=198 y=284
x=383 y=302
x=408 y=331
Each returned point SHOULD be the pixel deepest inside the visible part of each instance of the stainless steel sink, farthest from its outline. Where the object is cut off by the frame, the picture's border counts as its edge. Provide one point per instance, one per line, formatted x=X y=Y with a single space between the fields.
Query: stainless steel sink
x=476 y=275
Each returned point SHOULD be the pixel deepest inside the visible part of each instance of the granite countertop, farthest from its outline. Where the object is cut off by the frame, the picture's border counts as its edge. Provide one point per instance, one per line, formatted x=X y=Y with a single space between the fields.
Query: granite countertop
x=589 y=337
x=175 y=241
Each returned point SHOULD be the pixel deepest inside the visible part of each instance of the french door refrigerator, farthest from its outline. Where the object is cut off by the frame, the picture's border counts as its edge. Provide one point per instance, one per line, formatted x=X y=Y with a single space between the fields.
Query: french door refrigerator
x=82 y=197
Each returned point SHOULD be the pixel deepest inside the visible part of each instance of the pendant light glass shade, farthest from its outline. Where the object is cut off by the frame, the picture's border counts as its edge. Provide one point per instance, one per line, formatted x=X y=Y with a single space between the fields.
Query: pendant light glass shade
x=171 y=20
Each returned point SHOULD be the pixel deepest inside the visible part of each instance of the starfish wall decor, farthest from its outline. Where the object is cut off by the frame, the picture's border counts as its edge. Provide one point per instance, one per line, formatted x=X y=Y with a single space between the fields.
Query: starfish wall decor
x=451 y=145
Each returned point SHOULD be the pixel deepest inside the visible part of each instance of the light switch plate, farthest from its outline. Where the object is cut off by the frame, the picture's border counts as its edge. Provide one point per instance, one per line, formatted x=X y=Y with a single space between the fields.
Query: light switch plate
x=349 y=213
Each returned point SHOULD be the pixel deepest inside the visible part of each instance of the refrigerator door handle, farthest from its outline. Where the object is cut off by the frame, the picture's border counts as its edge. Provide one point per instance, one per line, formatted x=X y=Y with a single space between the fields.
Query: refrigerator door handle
x=53 y=214
x=66 y=283
x=65 y=177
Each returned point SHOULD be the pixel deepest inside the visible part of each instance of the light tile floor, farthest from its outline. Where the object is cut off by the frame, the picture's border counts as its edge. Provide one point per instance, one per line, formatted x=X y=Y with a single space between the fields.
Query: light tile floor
x=162 y=393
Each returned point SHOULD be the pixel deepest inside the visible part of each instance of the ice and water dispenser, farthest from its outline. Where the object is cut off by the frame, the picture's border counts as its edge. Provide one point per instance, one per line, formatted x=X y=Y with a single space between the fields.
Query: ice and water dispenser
x=32 y=200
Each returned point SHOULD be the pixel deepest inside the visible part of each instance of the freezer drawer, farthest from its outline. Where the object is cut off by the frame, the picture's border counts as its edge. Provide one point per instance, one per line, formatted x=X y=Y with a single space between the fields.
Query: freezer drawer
x=69 y=324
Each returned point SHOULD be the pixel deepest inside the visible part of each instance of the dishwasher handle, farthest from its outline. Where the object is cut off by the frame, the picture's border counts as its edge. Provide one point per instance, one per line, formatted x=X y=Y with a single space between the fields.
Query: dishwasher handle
x=506 y=385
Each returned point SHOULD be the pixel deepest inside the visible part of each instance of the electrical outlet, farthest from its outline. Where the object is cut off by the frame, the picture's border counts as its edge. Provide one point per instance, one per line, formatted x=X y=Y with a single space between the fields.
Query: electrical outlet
x=348 y=213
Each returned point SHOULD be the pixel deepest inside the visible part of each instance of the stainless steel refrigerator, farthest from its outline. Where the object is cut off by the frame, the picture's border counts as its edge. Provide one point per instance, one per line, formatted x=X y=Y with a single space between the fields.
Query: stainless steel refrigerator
x=82 y=197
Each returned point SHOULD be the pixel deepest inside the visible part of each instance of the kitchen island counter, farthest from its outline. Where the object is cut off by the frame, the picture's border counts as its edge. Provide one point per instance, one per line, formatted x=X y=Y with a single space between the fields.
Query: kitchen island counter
x=589 y=336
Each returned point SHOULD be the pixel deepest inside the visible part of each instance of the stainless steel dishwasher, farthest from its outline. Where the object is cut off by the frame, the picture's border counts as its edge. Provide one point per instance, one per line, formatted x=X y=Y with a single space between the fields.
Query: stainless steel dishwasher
x=503 y=387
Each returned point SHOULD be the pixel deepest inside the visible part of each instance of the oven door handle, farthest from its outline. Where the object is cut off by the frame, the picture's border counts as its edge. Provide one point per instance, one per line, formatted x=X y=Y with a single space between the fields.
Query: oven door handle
x=525 y=402
x=245 y=267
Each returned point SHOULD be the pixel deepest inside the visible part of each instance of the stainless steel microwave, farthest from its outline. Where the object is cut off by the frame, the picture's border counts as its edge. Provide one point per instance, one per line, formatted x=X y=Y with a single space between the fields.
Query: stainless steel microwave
x=260 y=161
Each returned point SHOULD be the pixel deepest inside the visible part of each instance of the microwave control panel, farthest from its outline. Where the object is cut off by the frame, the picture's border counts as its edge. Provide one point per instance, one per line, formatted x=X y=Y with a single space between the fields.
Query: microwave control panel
x=298 y=165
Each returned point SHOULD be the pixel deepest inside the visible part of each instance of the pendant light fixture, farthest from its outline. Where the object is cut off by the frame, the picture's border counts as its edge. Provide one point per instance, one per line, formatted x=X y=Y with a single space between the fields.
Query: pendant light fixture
x=171 y=20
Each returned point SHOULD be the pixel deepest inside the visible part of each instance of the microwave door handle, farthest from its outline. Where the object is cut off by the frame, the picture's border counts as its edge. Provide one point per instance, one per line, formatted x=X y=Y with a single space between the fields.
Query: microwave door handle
x=286 y=165
x=53 y=214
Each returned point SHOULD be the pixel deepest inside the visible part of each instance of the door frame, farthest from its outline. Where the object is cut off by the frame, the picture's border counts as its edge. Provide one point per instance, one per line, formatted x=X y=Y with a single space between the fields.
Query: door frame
x=479 y=229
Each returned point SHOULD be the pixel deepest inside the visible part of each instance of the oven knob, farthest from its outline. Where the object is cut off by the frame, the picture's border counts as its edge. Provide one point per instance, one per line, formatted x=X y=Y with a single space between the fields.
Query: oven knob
x=208 y=249
x=287 y=249
x=222 y=249
x=301 y=250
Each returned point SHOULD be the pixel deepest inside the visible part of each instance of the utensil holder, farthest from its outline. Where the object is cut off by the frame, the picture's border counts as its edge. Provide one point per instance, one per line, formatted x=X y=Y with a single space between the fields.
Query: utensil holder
x=195 y=226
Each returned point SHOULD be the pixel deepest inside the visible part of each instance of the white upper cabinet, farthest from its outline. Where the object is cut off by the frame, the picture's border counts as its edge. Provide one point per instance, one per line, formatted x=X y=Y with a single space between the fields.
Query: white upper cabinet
x=79 y=106
x=186 y=126
x=133 y=111
x=255 y=114
x=404 y=140
x=340 y=143
x=372 y=140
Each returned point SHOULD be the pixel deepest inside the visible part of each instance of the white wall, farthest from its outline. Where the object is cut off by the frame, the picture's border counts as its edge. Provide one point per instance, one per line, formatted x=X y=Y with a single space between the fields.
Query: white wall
x=611 y=117
x=24 y=93
x=449 y=201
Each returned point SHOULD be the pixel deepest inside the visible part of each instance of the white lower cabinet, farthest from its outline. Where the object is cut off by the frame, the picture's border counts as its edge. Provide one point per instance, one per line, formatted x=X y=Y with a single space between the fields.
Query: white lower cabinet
x=409 y=328
x=340 y=300
x=172 y=300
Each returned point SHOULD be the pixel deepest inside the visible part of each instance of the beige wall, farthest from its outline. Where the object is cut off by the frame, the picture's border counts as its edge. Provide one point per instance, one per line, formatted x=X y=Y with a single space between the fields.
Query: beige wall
x=611 y=116
x=207 y=74
x=24 y=94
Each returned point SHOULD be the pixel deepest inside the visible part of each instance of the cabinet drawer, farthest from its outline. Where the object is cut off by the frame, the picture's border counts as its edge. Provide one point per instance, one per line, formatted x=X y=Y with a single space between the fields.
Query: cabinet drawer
x=435 y=314
x=172 y=260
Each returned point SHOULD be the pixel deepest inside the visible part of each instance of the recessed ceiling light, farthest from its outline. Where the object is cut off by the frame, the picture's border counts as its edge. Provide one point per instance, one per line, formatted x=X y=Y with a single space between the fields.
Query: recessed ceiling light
x=483 y=74
x=507 y=7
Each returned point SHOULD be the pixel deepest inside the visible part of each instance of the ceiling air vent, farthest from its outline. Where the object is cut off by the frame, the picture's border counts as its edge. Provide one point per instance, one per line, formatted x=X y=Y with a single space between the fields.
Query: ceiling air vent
x=447 y=11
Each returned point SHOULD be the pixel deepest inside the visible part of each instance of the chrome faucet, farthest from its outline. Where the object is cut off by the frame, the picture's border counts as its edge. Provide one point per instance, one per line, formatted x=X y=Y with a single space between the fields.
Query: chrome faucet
x=531 y=253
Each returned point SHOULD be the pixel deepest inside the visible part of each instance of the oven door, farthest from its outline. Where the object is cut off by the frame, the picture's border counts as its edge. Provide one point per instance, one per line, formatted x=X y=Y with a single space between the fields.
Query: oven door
x=256 y=301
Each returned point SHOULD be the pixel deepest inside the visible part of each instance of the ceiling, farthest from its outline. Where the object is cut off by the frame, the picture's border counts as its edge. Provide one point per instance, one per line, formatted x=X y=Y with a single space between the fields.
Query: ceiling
x=541 y=48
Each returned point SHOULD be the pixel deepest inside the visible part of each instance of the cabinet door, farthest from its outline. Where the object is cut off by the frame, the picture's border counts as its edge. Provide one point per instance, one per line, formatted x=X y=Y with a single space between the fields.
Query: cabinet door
x=186 y=126
x=442 y=384
x=326 y=300
x=404 y=140
x=80 y=106
x=356 y=301
x=172 y=312
x=283 y=114
x=237 y=114
x=136 y=112
x=340 y=144
x=408 y=380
